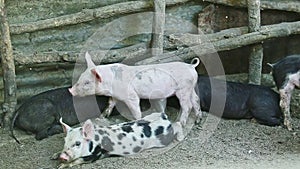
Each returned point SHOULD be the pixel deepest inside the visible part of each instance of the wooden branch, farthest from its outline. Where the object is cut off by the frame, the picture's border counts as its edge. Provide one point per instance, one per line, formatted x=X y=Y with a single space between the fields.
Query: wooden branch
x=265 y=33
x=256 y=55
x=8 y=68
x=157 y=39
x=292 y=6
x=208 y=47
x=87 y=15
x=188 y=39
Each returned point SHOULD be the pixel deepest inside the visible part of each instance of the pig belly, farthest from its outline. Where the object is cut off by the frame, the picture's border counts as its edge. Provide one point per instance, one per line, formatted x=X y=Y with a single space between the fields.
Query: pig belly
x=154 y=87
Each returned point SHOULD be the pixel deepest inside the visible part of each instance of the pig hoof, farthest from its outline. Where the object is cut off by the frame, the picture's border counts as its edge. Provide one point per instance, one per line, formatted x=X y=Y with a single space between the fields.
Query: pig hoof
x=180 y=137
x=55 y=156
x=106 y=113
x=183 y=122
x=289 y=127
x=179 y=131
x=198 y=120
x=288 y=124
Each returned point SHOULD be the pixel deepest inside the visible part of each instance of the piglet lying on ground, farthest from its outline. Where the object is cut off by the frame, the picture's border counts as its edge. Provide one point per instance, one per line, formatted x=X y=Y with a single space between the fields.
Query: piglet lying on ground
x=286 y=74
x=130 y=83
x=90 y=142
x=243 y=101
x=40 y=114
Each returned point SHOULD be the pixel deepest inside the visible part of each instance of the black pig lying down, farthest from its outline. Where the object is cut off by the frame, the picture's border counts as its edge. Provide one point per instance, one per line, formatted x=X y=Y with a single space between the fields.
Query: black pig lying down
x=243 y=101
x=286 y=74
x=40 y=114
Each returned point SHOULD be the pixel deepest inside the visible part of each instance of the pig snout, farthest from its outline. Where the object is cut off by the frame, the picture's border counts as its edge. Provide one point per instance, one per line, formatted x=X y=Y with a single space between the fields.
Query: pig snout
x=64 y=157
x=72 y=91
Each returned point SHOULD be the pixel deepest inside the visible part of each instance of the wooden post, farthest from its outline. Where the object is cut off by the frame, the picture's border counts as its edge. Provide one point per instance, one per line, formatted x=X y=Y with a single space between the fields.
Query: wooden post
x=8 y=68
x=158 y=25
x=256 y=55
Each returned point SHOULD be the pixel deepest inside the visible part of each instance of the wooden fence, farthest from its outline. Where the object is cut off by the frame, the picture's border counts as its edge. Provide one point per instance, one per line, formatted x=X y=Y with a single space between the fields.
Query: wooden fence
x=227 y=39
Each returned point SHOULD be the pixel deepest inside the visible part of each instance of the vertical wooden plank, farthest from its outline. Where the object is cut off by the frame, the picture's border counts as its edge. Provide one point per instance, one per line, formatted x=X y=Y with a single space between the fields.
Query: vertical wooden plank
x=157 y=40
x=8 y=68
x=256 y=55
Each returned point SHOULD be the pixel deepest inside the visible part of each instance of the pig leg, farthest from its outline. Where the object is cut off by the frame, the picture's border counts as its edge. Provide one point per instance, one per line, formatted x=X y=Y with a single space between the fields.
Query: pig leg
x=133 y=103
x=178 y=131
x=111 y=104
x=55 y=129
x=285 y=98
x=186 y=106
x=196 y=105
x=55 y=156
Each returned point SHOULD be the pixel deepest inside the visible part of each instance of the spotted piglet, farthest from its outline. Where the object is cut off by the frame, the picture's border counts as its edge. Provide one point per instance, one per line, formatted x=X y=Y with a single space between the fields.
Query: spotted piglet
x=286 y=74
x=90 y=142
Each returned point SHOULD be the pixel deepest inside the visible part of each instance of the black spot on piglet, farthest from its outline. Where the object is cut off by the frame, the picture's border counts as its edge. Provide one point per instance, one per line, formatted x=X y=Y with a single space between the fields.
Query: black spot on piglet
x=107 y=144
x=127 y=128
x=146 y=127
x=159 y=130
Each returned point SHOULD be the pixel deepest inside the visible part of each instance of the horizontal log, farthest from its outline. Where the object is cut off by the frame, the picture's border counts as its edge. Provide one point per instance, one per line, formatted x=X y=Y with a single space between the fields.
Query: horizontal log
x=116 y=55
x=188 y=39
x=265 y=33
x=87 y=15
x=292 y=6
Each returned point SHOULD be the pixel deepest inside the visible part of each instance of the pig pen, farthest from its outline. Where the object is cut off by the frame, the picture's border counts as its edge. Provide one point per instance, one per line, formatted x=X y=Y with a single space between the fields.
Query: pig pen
x=233 y=144
x=45 y=53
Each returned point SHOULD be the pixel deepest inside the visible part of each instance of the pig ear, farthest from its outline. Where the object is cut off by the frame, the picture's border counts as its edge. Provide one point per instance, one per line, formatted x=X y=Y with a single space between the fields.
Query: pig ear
x=89 y=61
x=96 y=74
x=88 y=130
x=65 y=127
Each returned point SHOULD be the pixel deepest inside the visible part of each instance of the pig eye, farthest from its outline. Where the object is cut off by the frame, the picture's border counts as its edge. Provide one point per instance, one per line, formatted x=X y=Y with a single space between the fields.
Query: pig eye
x=77 y=143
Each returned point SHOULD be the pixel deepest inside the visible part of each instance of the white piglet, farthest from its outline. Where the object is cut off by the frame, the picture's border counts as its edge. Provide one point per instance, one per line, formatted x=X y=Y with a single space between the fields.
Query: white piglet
x=90 y=142
x=129 y=84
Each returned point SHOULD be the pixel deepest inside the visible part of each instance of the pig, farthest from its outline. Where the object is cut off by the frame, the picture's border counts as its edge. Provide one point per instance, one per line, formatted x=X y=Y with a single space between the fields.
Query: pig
x=40 y=114
x=129 y=84
x=286 y=74
x=243 y=101
x=92 y=142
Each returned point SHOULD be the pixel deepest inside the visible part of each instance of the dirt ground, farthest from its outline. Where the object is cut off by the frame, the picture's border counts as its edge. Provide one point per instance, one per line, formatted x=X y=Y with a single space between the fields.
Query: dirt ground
x=213 y=144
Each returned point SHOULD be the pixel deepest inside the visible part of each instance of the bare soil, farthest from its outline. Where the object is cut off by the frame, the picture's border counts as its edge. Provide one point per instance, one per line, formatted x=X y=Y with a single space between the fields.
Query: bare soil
x=233 y=144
